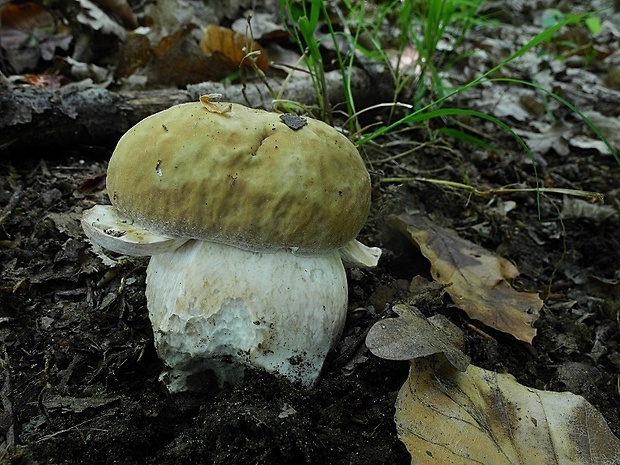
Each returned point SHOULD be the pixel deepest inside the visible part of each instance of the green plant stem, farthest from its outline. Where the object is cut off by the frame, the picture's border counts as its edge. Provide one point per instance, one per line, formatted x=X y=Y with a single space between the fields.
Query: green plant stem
x=596 y=196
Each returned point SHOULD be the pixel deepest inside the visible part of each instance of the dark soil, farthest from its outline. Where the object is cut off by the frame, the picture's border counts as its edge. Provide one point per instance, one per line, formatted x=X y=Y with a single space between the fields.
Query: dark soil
x=80 y=374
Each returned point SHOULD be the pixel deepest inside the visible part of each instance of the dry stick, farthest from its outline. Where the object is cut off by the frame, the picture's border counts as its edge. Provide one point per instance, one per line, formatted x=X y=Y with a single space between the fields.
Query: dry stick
x=350 y=350
x=43 y=408
x=18 y=194
x=7 y=405
x=74 y=427
x=596 y=196
x=69 y=371
x=13 y=201
x=405 y=153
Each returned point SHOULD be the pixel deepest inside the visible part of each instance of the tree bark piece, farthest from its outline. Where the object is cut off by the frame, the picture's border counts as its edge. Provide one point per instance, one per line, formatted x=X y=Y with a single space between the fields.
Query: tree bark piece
x=84 y=113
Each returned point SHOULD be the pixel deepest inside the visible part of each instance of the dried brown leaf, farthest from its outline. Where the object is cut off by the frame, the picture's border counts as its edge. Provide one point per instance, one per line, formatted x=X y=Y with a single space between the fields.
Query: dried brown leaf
x=210 y=102
x=476 y=279
x=134 y=54
x=53 y=81
x=444 y=416
x=260 y=26
x=93 y=184
x=232 y=49
x=95 y=18
x=120 y=10
x=180 y=61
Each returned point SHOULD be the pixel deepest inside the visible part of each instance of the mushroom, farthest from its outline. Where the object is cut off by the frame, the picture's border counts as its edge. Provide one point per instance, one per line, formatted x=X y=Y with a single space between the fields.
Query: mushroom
x=245 y=214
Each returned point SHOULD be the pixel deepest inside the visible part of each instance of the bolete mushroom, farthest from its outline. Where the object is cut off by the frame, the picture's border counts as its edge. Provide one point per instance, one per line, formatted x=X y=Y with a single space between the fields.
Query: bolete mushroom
x=245 y=216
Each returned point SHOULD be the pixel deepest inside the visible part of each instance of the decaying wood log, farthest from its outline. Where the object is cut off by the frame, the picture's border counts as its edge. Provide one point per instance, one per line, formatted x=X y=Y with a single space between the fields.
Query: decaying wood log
x=82 y=113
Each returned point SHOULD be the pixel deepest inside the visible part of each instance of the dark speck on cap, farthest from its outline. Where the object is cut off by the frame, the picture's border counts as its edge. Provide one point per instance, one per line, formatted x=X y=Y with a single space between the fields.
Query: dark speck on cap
x=293 y=121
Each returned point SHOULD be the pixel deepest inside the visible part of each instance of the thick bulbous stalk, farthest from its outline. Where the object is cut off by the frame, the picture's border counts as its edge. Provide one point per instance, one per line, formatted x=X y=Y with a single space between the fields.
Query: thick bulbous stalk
x=217 y=307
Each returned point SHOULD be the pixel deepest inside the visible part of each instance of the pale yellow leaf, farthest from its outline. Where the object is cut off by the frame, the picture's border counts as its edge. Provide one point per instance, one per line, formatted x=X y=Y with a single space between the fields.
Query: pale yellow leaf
x=444 y=417
x=476 y=279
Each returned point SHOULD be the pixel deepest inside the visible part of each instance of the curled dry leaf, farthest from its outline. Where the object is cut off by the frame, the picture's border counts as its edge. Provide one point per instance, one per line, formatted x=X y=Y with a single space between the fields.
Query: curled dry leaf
x=120 y=10
x=232 y=49
x=579 y=208
x=550 y=137
x=80 y=70
x=209 y=102
x=412 y=336
x=93 y=184
x=608 y=125
x=444 y=416
x=476 y=279
x=178 y=60
x=134 y=54
x=95 y=18
x=260 y=26
x=53 y=81
x=187 y=56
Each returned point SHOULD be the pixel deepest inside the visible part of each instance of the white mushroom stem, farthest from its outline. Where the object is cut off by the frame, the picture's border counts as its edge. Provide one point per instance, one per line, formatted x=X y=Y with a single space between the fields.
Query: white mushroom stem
x=218 y=307
x=221 y=308
x=103 y=226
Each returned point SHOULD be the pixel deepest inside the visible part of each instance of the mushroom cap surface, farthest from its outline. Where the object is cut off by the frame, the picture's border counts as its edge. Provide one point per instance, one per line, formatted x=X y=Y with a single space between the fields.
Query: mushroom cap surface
x=241 y=177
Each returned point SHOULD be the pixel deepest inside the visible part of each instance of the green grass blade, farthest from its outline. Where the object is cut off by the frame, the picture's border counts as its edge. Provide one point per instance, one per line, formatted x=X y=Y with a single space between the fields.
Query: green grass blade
x=467 y=138
x=544 y=36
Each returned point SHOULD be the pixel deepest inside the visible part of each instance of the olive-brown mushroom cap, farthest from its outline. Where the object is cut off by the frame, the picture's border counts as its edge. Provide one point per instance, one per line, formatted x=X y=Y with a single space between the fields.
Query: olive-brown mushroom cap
x=241 y=177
